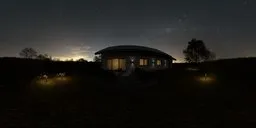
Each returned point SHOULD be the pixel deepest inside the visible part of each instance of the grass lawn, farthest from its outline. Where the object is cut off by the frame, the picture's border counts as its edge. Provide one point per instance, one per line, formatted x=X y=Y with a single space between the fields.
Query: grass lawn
x=172 y=99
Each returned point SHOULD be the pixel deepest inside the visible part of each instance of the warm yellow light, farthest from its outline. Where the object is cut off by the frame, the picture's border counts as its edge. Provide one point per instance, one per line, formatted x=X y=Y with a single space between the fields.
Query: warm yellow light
x=43 y=82
x=74 y=58
x=178 y=61
x=115 y=64
x=192 y=69
x=143 y=62
x=206 y=79
x=158 y=62
x=60 y=79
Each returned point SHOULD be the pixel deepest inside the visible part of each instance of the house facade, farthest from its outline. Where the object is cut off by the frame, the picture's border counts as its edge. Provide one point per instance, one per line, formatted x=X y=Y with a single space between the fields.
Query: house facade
x=129 y=57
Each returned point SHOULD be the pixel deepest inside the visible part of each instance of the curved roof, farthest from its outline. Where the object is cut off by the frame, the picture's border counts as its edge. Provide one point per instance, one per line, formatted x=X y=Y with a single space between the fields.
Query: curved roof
x=125 y=48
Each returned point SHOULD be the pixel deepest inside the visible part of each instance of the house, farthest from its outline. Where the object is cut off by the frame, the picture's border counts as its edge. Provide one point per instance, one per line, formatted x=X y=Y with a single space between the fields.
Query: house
x=128 y=57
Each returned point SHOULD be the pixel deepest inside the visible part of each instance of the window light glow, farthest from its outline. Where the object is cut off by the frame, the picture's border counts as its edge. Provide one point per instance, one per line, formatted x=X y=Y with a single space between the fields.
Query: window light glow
x=115 y=64
x=158 y=62
x=143 y=62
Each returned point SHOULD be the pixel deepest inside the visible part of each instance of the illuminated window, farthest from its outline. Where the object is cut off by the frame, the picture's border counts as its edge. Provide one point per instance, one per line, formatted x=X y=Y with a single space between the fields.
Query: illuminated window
x=115 y=64
x=143 y=62
x=153 y=62
x=165 y=63
x=122 y=64
x=109 y=64
x=158 y=62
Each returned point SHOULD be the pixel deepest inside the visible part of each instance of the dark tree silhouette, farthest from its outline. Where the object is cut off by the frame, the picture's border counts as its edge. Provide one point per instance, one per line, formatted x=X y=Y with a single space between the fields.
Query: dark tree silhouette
x=82 y=60
x=28 y=53
x=44 y=57
x=56 y=59
x=69 y=60
x=97 y=59
x=196 y=51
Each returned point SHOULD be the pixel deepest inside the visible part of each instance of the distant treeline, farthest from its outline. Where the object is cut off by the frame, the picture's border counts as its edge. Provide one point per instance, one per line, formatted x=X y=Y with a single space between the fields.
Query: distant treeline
x=11 y=65
x=36 y=65
x=27 y=68
x=235 y=64
x=17 y=69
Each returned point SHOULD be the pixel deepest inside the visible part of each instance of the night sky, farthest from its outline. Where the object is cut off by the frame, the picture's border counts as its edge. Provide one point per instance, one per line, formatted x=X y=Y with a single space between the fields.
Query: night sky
x=78 y=28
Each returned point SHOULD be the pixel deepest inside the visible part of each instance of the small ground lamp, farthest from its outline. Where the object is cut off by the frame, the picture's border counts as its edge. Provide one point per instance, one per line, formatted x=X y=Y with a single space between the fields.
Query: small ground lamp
x=44 y=80
x=61 y=75
x=206 y=78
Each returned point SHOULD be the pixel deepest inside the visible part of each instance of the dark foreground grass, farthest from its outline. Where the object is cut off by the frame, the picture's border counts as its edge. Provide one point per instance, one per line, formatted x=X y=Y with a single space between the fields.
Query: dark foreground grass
x=163 y=99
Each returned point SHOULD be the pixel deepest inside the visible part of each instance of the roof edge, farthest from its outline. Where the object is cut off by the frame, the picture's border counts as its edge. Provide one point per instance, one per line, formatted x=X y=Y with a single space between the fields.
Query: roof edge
x=102 y=50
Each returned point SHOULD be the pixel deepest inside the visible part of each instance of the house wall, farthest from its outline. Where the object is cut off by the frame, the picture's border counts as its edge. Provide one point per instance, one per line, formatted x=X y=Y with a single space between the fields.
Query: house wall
x=133 y=61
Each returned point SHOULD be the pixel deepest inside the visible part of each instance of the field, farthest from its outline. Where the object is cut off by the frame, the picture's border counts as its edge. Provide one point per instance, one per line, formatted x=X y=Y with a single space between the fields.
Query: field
x=88 y=97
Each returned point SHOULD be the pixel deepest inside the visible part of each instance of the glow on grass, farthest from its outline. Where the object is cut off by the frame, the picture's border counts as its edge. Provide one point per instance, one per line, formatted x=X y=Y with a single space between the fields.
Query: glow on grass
x=62 y=79
x=206 y=78
x=61 y=74
x=192 y=69
x=43 y=82
x=46 y=81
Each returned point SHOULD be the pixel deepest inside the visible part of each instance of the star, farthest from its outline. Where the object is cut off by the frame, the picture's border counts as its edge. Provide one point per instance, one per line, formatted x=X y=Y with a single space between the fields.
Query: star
x=182 y=18
x=218 y=29
x=168 y=30
x=245 y=2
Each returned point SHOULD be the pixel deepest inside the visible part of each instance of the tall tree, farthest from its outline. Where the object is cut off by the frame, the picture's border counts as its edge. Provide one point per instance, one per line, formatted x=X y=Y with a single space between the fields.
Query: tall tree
x=196 y=51
x=28 y=53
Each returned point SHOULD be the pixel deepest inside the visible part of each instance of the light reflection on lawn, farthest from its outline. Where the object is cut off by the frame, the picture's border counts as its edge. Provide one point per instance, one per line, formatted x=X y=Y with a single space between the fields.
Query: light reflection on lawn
x=53 y=81
x=206 y=79
x=48 y=82
x=62 y=80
